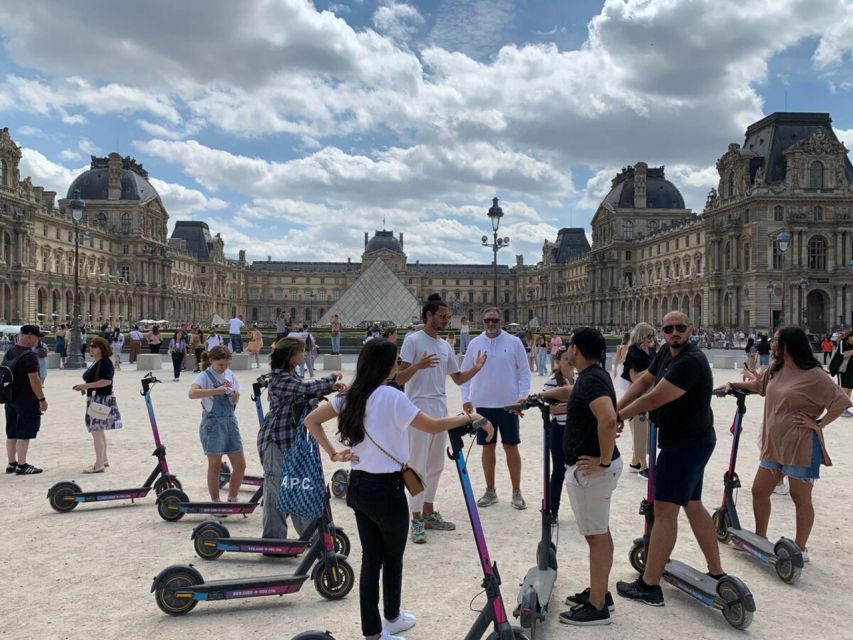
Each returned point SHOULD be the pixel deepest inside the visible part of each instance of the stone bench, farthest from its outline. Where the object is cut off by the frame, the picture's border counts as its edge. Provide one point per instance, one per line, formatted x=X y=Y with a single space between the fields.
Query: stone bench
x=189 y=362
x=149 y=361
x=728 y=362
x=331 y=363
x=240 y=362
x=53 y=361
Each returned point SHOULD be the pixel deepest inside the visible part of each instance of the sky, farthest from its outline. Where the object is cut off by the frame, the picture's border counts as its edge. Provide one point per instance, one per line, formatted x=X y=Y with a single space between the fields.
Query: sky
x=292 y=127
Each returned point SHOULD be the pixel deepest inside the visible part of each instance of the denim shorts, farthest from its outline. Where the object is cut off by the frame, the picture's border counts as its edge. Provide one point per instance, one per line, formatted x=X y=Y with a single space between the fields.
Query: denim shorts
x=219 y=437
x=812 y=472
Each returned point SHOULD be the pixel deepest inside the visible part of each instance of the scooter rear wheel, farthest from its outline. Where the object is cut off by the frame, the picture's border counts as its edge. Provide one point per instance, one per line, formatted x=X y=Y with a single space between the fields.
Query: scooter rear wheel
x=171 y=580
x=340 y=482
x=335 y=580
x=314 y=635
x=721 y=526
x=166 y=482
x=167 y=504
x=203 y=537
x=58 y=496
x=637 y=557
x=343 y=545
x=785 y=569
x=735 y=611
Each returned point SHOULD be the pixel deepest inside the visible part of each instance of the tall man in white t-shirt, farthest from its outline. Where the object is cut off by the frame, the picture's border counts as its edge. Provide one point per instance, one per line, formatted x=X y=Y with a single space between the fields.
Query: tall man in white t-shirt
x=426 y=361
x=235 y=327
x=504 y=380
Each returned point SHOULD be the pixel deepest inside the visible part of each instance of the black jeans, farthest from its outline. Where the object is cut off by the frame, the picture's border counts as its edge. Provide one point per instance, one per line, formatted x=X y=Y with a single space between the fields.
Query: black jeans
x=154 y=348
x=177 y=361
x=198 y=351
x=382 y=516
x=558 y=464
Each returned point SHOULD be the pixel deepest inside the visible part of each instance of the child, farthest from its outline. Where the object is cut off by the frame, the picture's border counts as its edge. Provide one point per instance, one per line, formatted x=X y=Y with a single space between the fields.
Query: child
x=218 y=390
x=116 y=346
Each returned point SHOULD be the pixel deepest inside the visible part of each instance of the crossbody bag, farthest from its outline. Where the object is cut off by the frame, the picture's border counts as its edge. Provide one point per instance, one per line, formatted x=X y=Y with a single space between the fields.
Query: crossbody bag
x=411 y=478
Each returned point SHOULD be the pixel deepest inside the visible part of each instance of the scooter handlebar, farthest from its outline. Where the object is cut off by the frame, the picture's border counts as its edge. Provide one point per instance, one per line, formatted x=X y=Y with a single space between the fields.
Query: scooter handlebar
x=147 y=381
x=738 y=394
x=457 y=433
x=533 y=400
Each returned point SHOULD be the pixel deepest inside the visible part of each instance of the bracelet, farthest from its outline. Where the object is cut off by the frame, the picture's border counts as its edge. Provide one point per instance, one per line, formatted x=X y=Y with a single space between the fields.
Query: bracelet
x=605 y=466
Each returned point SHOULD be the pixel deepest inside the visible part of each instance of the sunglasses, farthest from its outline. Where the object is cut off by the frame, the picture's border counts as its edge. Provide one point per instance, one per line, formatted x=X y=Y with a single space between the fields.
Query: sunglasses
x=679 y=328
x=491 y=320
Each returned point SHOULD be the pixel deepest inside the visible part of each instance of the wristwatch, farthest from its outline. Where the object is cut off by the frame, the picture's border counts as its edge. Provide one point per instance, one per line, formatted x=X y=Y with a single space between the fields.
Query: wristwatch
x=605 y=466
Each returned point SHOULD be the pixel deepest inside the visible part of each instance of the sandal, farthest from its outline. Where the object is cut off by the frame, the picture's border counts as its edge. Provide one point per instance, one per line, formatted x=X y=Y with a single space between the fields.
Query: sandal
x=93 y=469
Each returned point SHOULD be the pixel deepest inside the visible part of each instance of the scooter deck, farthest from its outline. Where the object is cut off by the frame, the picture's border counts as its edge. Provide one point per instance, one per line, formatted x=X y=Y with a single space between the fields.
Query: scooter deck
x=691 y=580
x=245 y=587
x=113 y=494
x=261 y=545
x=542 y=582
x=252 y=481
x=751 y=539
x=217 y=507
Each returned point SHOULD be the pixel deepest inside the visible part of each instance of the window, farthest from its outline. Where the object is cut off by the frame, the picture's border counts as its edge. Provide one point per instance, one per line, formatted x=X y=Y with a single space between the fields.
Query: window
x=627 y=255
x=471 y=297
x=816 y=175
x=125 y=223
x=746 y=256
x=653 y=226
x=44 y=230
x=817 y=253
x=125 y=249
x=58 y=231
x=125 y=272
x=101 y=245
x=746 y=216
x=101 y=219
x=778 y=214
x=506 y=297
x=628 y=230
x=818 y=214
x=2 y=172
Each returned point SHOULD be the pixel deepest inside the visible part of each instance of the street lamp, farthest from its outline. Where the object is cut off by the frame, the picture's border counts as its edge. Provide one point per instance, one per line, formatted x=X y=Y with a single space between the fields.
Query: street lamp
x=770 y=304
x=75 y=359
x=804 y=284
x=495 y=214
x=783 y=242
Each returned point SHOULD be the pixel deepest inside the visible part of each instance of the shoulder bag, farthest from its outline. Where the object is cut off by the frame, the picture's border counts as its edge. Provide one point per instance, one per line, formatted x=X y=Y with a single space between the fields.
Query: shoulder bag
x=302 y=490
x=411 y=478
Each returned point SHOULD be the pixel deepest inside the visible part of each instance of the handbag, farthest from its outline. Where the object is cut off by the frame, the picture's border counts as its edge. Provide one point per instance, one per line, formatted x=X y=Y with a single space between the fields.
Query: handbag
x=837 y=362
x=302 y=490
x=411 y=478
x=842 y=368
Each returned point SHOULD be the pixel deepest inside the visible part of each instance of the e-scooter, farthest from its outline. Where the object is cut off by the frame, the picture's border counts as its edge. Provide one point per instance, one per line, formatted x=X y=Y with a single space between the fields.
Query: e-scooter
x=64 y=496
x=494 y=613
x=728 y=594
x=225 y=473
x=784 y=555
x=535 y=594
x=313 y=635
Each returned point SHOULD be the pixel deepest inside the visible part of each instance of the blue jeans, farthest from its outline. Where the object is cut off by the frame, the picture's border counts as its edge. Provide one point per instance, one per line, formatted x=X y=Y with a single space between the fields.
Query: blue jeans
x=542 y=357
x=336 y=343
x=309 y=363
x=236 y=342
x=464 y=339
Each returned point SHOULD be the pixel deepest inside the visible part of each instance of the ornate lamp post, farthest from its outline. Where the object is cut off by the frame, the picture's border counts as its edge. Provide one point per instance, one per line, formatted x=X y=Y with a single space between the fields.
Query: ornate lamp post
x=783 y=242
x=804 y=284
x=770 y=304
x=75 y=359
x=495 y=214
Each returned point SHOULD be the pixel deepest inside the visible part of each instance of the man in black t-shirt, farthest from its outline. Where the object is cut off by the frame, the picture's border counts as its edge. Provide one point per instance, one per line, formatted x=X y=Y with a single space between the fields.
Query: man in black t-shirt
x=593 y=467
x=681 y=385
x=23 y=412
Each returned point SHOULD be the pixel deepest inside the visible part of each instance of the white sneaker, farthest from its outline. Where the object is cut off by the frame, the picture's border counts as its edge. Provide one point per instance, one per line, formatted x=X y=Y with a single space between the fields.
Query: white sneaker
x=388 y=636
x=782 y=488
x=403 y=622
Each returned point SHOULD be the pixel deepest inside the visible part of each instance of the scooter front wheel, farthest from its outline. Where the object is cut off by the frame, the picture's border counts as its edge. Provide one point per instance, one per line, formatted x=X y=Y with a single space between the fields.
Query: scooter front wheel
x=343 y=545
x=637 y=556
x=722 y=523
x=166 y=482
x=167 y=504
x=168 y=585
x=204 y=540
x=60 y=498
x=735 y=612
x=785 y=551
x=334 y=580
x=314 y=635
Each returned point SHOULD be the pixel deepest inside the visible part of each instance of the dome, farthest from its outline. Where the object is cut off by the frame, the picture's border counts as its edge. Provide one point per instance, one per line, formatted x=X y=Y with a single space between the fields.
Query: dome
x=94 y=183
x=383 y=240
x=660 y=192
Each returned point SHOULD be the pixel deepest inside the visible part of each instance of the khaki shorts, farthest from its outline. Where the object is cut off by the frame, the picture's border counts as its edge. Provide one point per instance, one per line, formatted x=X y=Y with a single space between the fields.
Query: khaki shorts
x=590 y=497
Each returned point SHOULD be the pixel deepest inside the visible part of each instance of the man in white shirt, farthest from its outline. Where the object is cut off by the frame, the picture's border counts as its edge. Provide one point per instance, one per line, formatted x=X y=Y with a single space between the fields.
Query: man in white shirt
x=504 y=380
x=426 y=361
x=235 y=326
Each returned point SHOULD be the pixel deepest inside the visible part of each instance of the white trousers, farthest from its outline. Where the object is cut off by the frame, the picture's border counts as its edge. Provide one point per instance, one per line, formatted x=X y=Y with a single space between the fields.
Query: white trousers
x=427 y=454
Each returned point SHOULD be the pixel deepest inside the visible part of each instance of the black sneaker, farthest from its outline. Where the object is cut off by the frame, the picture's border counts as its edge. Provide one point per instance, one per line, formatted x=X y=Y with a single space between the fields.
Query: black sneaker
x=585 y=615
x=27 y=470
x=644 y=473
x=651 y=595
x=11 y=467
x=583 y=598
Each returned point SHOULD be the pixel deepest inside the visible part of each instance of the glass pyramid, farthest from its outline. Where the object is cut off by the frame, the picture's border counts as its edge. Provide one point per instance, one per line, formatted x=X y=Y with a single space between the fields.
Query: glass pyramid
x=377 y=296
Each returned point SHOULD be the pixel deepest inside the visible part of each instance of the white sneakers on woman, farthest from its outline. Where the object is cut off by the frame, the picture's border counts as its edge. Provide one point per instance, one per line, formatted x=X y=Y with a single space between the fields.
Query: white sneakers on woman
x=403 y=622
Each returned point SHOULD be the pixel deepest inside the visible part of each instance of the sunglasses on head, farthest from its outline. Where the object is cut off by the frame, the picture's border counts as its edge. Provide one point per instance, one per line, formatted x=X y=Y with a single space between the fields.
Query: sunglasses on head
x=491 y=320
x=669 y=328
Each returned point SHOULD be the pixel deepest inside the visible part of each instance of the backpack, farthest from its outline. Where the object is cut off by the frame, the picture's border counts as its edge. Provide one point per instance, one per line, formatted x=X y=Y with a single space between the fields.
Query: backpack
x=7 y=378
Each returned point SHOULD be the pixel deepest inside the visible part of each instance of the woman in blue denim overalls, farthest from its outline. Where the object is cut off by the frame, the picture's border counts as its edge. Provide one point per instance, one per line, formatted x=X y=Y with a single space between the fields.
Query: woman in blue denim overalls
x=218 y=390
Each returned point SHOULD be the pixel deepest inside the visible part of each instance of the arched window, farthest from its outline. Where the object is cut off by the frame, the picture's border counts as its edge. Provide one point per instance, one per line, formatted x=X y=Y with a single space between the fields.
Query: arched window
x=818 y=214
x=653 y=226
x=2 y=173
x=816 y=175
x=628 y=230
x=779 y=214
x=817 y=253
x=125 y=223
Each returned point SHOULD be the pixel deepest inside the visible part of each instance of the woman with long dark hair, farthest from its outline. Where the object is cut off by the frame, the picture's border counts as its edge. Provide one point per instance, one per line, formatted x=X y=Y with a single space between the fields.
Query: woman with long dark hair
x=801 y=400
x=374 y=420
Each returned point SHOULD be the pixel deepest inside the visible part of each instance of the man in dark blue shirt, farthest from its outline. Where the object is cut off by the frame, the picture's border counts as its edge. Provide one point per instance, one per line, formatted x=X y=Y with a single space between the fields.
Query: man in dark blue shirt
x=676 y=389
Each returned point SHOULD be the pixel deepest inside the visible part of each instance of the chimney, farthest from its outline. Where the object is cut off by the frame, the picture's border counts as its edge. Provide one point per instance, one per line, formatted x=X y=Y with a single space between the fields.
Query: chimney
x=401 y=239
x=519 y=260
x=640 y=185
x=269 y=258
x=114 y=177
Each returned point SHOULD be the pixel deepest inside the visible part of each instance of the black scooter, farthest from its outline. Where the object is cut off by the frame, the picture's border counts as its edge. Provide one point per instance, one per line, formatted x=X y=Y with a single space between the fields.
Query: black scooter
x=728 y=595
x=534 y=597
x=225 y=473
x=784 y=555
x=493 y=615
x=64 y=496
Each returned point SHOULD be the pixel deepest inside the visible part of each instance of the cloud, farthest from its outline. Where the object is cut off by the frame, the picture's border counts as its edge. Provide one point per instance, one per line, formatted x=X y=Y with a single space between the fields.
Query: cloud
x=181 y=201
x=44 y=172
x=472 y=27
x=397 y=20
x=69 y=154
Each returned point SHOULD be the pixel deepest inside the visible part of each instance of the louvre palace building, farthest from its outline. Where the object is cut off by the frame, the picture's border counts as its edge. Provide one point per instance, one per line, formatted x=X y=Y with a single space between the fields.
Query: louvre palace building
x=727 y=266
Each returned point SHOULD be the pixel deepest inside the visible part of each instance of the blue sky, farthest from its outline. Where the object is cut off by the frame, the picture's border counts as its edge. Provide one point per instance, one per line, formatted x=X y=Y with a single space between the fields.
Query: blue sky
x=293 y=127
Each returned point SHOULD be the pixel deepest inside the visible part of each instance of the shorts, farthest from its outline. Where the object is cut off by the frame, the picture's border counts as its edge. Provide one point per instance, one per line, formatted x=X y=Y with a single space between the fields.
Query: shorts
x=23 y=420
x=219 y=436
x=505 y=424
x=589 y=496
x=679 y=473
x=812 y=472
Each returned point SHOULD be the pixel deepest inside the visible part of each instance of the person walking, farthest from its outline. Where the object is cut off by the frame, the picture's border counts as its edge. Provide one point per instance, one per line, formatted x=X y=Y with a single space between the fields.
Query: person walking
x=618 y=361
x=425 y=363
x=826 y=346
x=751 y=353
x=677 y=386
x=542 y=353
x=288 y=395
x=154 y=340
x=593 y=467
x=335 y=334
x=504 y=380
x=374 y=420
x=27 y=403
x=563 y=378
x=98 y=386
x=61 y=346
x=178 y=350
x=763 y=349
x=801 y=400
x=197 y=343
x=214 y=339
x=845 y=372
x=464 y=335
x=556 y=342
x=219 y=392
x=135 y=343
x=529 y=341
x=116 y=345
x=41 y=353
x=235 y=332
x=280 y=326
x=84 y=345
x=637 y=359
x=256 y=343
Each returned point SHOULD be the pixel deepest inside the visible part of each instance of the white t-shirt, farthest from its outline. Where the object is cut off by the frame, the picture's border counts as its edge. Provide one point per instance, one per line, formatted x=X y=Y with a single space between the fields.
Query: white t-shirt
x=214 y=341
x=387 y=418
x=426 y=388
x=235 y=325
x=204 y=382
x=135 y=335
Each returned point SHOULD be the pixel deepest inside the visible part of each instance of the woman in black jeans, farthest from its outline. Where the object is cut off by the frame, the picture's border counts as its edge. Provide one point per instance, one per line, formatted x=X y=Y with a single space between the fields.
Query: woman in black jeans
x=178 y=349
x=374 y=420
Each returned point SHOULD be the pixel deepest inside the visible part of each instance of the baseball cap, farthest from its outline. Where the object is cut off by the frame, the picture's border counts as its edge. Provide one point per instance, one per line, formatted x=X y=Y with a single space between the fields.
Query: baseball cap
x=30 y=330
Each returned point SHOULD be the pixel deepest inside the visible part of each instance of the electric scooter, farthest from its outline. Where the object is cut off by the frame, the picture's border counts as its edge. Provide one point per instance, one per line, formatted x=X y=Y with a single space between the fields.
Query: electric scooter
x=179 y=588
x=64 y=496
x=534 y=597
x=313 y=635
x=783 y=555
x=340 y=483
x=494 y=613
x=728 y=595
x=225 y=473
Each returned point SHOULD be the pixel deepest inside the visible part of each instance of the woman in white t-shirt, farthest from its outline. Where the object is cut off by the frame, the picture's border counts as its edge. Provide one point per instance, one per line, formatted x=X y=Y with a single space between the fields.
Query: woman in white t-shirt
x=374 y=419
x=219 y=392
